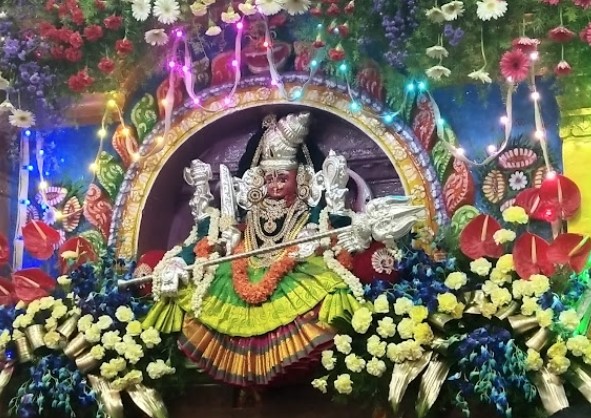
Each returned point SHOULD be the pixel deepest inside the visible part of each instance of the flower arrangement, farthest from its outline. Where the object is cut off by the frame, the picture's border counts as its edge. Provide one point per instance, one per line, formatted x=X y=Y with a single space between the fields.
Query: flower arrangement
x=69 y=345
x=501 y=320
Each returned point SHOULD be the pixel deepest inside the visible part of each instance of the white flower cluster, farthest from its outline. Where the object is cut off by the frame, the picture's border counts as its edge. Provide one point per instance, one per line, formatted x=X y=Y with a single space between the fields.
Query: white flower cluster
x=349 y=278
x=202 y=280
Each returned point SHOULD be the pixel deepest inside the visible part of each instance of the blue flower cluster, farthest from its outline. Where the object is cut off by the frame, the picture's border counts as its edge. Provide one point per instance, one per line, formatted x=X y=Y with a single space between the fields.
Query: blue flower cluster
x=399 y=19
x=491 y=368
x=97 y=290
x=55 y=384
x=420 y=279
x=453 y=35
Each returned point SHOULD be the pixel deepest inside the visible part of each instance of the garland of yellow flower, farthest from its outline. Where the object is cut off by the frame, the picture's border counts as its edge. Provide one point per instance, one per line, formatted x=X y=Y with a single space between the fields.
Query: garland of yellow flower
x=257 y=293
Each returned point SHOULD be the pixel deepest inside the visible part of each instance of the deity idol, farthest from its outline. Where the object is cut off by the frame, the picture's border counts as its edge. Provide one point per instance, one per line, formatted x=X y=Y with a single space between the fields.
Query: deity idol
x=264 y=314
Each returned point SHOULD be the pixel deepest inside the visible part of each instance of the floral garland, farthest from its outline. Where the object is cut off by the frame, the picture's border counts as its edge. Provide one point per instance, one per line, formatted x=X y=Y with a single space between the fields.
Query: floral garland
x=349 y=278
x=258 y=293
x=202 y=278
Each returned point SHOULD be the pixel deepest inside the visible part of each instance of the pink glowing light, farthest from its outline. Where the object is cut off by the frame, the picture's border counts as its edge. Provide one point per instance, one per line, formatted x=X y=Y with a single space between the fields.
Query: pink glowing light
x=234 y=63
x=240 y=25
x=172 y=64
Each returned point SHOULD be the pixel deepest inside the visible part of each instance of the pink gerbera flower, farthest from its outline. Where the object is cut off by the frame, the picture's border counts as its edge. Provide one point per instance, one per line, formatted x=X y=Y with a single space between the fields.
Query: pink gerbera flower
x=585 y=4
x=561 y=34
x=586 y=34
x=551 y=2
x=526 y=44
x=562 y=68
x=515 y=65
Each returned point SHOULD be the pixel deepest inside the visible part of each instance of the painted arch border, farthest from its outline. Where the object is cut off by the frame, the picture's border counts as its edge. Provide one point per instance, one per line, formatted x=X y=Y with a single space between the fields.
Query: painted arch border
x=411 y=162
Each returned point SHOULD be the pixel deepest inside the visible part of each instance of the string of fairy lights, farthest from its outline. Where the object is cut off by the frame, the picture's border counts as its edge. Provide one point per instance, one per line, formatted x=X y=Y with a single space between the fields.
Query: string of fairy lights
x=182 y=67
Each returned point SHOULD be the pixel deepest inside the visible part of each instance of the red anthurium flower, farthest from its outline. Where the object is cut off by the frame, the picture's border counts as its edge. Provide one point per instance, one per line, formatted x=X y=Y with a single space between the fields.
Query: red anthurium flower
x=476 y=240
x=529 y=199
x=75 y=252
x=40 y=239
x=560 y=197
x=4 y=250
x=7 y=296
x=31 y=284
x=530 y=256
x=570 y=249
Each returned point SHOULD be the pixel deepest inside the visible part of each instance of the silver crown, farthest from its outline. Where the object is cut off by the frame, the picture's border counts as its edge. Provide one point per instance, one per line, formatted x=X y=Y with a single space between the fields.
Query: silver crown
x=282 y=140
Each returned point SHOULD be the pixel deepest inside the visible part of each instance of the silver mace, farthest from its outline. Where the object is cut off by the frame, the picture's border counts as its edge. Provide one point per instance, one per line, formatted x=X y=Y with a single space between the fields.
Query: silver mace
x=144 y=279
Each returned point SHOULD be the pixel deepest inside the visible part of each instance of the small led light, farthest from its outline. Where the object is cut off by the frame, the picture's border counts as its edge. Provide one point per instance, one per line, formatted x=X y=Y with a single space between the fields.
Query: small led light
x=172 y=64
x=441 y=121
x=27 y=132
x=125 y=131
x=460 y=151
x=539 y=135
x=135 y=157
x=234 y=63
x=535 y=95
x=534 y=56
x=355 y=106
x=504 y=120
x=58 y=215
x=389 y=118
x=164 y=102
x=240 y=25
x=422 y=86
x=491 y=149
x=159 y=139
x=313 y=63
x=297 y=93
x=196 y=101
x=43 y=185
x=343 y=67
x=179 y=33
x=185 y=69
x=93 y=167
x=551 y=175
x=111 y=103
x=102 y=133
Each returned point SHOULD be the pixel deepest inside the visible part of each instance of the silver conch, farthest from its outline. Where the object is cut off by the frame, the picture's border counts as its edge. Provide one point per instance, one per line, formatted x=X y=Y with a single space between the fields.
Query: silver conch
x=198 y=175
x=335 y=176
x=386 y=219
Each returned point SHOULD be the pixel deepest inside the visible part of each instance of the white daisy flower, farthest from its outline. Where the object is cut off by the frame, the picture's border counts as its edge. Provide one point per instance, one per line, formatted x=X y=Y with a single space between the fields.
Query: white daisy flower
x=491 y=9
x=480 y=75
x=156 y=37
x=166 y=11
x=437 y=52
x=438 y=71
x=518 y=181
x=22 y=118
x=297 y=7
x=141 y=9
x=453 y=10
x=269 y=7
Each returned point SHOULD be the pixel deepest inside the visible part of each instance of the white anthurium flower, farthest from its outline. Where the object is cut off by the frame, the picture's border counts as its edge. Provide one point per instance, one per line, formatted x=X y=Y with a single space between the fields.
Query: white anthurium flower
x=269 y=7
x=437 y=52
x=213 y=31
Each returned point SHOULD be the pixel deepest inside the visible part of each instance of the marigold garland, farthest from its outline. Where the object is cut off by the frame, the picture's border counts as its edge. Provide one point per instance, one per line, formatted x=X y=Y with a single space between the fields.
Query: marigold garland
x=257 y=293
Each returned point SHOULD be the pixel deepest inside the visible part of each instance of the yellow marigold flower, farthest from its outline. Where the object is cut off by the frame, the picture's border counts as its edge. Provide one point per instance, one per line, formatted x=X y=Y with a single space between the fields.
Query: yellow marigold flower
x=505 y=263
x=456 y=280
x=558 y=349
x=423 y=334
x=480 y=266
x=545 y=317
x=418 y=313
x=515 y=214
x=447 y=302
x=558 y=365
x=533 y=361
x=503 y=236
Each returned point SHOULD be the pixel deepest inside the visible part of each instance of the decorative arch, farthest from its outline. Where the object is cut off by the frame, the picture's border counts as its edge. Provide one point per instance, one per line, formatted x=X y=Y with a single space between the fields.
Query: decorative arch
x=409 y=159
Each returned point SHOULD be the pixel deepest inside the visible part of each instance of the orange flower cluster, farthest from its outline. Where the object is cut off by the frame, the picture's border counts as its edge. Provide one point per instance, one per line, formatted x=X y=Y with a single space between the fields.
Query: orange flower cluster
x=202 y=248
x=258 y=293
x=345 y=259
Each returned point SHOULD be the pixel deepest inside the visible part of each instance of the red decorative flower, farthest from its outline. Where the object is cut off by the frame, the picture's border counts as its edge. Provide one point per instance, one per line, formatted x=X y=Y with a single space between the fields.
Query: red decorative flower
x=585 y=34
x=39 y=239
x=585 y=4
x=77 y=16
x=106 y=65
x=72 y=54
x=316 y=11
x=561 y=34
x=337 y=54
x=64 y=34
x=515 y=65
x=562 y=68
x=57 y=52
x=526 y=44
x=47 y=30
x=477 y=238
x=100 y=5
x=76 y=40
x=113 y=22
x=350 y=7
x=50 y=5
x=80 y=81
x=123 y=46
x=551 y=2
x=333 y=10
x=93 y=33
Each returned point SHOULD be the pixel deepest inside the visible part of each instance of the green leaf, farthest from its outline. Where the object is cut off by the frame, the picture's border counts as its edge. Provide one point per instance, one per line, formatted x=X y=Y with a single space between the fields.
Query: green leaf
x=109 y=173
x=144 y=115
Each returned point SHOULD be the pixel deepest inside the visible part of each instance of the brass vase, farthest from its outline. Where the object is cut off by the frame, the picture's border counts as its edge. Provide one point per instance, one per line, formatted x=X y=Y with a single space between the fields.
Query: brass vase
x=69 y=327
x=86 y=362
x=25 y=354
x=35 y=334
x=76 y=346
